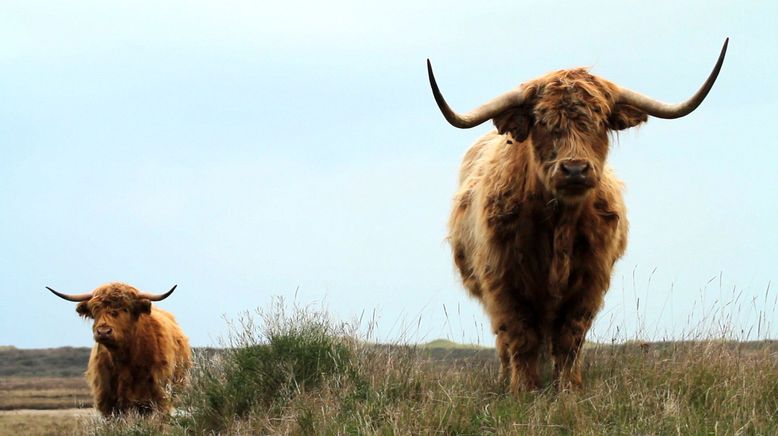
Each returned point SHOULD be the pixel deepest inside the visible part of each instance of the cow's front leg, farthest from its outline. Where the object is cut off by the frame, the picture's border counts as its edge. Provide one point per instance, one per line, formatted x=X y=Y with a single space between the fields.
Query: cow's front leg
x=518 y=347
x=501 y=345
x=106 y=403
x=568 y=336
x=525 y=354
x=515 y=321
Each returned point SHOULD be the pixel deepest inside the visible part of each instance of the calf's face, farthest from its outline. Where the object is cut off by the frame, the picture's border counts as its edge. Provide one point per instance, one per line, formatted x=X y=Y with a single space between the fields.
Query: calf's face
x=115 y=309
x=115 y=313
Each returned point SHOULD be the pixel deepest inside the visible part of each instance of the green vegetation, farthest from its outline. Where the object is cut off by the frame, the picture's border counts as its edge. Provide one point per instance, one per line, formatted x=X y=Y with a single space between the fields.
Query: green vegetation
x=299 y=372
x=265 y=369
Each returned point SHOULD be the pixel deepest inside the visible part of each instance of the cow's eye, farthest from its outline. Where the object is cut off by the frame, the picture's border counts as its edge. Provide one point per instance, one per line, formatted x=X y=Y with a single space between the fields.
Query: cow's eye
x=552 y=153
x=114 y=313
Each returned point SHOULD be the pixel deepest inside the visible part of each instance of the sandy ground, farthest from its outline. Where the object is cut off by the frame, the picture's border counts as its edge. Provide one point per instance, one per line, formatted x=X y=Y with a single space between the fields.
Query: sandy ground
x=49 y=412
x=46 y=422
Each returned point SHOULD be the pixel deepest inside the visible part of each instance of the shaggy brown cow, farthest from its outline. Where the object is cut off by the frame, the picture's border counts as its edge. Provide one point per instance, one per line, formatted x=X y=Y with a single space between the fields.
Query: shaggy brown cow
x=140 y=351
x=539 y=220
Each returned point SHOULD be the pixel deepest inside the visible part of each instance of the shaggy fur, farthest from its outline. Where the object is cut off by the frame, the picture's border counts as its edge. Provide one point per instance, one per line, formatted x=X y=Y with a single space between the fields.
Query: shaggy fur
x=144 y=356
x=536 y=250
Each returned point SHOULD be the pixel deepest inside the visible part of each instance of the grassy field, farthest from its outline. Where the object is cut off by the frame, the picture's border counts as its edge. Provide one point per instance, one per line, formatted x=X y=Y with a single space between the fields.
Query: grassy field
x=43 y=379
x=43 y=405
x=298 y=372
x=44 y=393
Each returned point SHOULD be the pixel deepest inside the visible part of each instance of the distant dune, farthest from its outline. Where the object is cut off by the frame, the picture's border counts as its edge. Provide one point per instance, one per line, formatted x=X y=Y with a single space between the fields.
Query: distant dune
x=45 y=362
x=451 y=345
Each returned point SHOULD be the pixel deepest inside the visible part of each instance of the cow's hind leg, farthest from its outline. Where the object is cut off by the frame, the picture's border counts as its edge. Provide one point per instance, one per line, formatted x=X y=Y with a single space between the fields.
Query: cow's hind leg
x=569 y=333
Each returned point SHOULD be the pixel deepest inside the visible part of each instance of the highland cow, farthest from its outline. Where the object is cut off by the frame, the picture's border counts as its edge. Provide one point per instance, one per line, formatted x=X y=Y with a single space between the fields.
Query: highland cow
x=140 y=352
x=538 y=220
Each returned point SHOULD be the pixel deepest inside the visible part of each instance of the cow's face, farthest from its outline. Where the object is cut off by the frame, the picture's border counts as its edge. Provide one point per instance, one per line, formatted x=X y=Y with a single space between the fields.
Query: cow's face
x=567 y=115
x=567 y=120
x=115 y=309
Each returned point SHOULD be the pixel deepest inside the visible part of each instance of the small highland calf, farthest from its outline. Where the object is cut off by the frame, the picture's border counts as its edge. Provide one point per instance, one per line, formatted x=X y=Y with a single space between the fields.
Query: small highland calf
x=140 y=352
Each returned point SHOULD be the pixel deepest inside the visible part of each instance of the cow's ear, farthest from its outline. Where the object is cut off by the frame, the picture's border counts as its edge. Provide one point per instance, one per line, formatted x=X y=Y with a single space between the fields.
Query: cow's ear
x=516 y=121
x=625 y=116
x=83 y=309
x=141 y=307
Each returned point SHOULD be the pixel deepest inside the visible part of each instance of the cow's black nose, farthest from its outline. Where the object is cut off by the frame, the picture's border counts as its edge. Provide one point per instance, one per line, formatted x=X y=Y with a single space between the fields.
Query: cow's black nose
x=575 y=168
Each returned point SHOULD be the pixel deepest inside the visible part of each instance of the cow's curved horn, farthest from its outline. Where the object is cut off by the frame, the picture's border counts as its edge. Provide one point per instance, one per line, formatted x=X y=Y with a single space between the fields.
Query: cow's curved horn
x=158 y=297
x=487 y=111
x=669 y=111
x=71 y=297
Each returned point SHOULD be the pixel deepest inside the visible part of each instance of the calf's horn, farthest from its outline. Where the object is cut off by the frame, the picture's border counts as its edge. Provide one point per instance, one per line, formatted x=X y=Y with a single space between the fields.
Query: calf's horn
x=71 y=297
x=157 y=297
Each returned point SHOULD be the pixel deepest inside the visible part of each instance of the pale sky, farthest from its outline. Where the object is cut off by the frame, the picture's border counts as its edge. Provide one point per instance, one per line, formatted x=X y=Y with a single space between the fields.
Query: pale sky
x=245 y=150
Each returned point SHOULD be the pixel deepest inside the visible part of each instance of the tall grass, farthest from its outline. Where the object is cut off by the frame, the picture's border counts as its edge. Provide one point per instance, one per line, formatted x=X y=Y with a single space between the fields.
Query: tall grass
x=294 y=370
x=263 y=368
